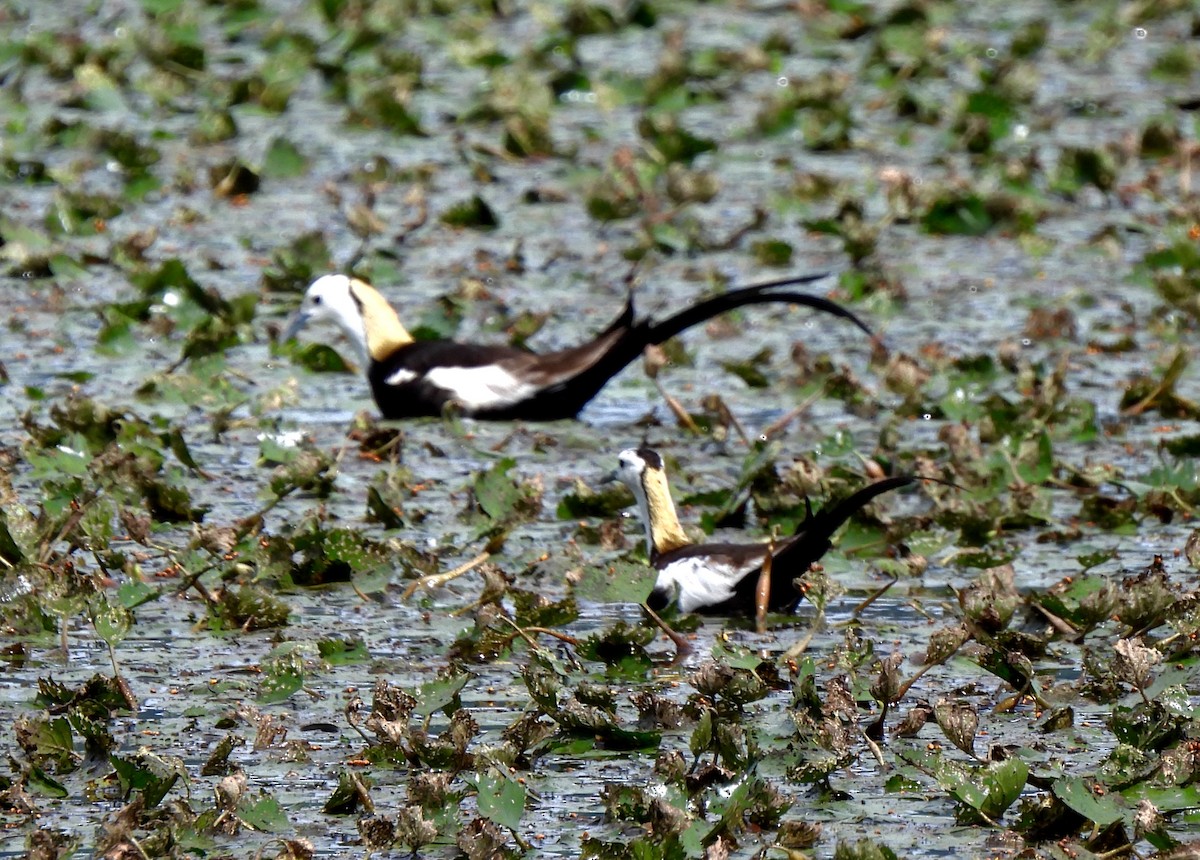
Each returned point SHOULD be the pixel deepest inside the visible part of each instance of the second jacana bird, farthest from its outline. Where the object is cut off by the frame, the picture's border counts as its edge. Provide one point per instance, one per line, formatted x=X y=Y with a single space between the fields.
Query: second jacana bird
x=722 y=578
x=411 y=378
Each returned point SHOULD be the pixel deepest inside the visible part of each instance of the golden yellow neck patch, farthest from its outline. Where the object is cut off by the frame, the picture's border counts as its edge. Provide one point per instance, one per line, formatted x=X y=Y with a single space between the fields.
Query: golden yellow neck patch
x=666 y=533
x=381 y=326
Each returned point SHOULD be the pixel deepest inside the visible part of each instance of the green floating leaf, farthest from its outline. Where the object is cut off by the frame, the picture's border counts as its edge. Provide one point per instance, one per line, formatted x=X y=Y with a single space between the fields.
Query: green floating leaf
x=343 y=652
x=583 y=501
x=474 y=213
x=501 y=497
x=773 y=252
x=284 y=675
x=863 y=849
x=957 y=216
x=617 y=582
x=283 y=160
x=38 y=782
x=500 y=799
x=47 y=741
x=1080 y=794
x=441 y=694
x=250 y=608
x=440 y=321
x=146 y=775
x=263 y=813
x=112 y=622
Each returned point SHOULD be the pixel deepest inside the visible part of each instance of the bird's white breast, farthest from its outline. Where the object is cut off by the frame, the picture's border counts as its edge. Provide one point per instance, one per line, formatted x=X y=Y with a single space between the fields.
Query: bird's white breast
x=701 y=581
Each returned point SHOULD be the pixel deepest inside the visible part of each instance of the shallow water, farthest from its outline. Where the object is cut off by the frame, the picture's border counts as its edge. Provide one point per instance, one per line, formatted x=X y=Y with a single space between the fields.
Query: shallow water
x=966 y=296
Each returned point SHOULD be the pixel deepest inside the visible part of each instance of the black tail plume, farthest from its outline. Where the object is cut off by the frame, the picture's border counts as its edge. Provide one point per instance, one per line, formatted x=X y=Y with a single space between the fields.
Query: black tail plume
x=658 y=332
x=811 y=541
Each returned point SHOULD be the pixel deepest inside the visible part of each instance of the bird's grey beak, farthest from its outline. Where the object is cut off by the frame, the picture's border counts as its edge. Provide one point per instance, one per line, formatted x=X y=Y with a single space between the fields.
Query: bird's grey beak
x=610 y=478
x=297 y=322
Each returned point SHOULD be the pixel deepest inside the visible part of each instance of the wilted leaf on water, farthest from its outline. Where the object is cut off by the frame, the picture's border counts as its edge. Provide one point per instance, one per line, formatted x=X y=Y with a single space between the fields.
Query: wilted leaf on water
x=958 y=721
x=531 y=608
x=379 y=511
x=1147 y=726
x=753 y=804
x=616 y=582
x=990 y=601
x=47 y=844
x=47 y=741
x=1192 y=548
x=1098 y=806
x=377 y=832
x=1145 y=601
x=77 y=213
x=773 y=252
x=1010 y=666
x=500 y=799
x=944 y=643
x=622 y=647
x=885 y=689
x=1089 y=560
x=232 y=179
x=1035 y=462
x=217 y=763
x=796 y=834
x=349 y=795
x=672 y=142
x=309 y=470
x=1057 y=719
x=1134 y=663
x=1144 y=393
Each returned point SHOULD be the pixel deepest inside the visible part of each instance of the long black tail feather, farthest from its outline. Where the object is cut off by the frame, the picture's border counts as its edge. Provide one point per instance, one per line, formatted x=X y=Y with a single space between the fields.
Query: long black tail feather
x=569 y=396
x=811 y=541
x=658 y=332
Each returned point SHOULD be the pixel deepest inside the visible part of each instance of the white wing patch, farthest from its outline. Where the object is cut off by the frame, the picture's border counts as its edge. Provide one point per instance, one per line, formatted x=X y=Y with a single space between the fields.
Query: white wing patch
x=481 y=387
x=699 y=581
x=400 y=377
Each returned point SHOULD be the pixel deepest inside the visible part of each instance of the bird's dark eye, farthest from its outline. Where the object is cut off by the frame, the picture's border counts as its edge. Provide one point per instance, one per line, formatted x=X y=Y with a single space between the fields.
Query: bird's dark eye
x=316 y=300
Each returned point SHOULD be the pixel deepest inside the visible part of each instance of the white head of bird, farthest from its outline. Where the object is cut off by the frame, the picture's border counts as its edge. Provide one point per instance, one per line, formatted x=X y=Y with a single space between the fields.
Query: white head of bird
x=358 y=309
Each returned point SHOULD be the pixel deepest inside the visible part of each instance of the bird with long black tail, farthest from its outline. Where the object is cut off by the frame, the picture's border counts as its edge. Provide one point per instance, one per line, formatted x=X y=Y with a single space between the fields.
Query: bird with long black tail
x=722 y=578
x=411 y=378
